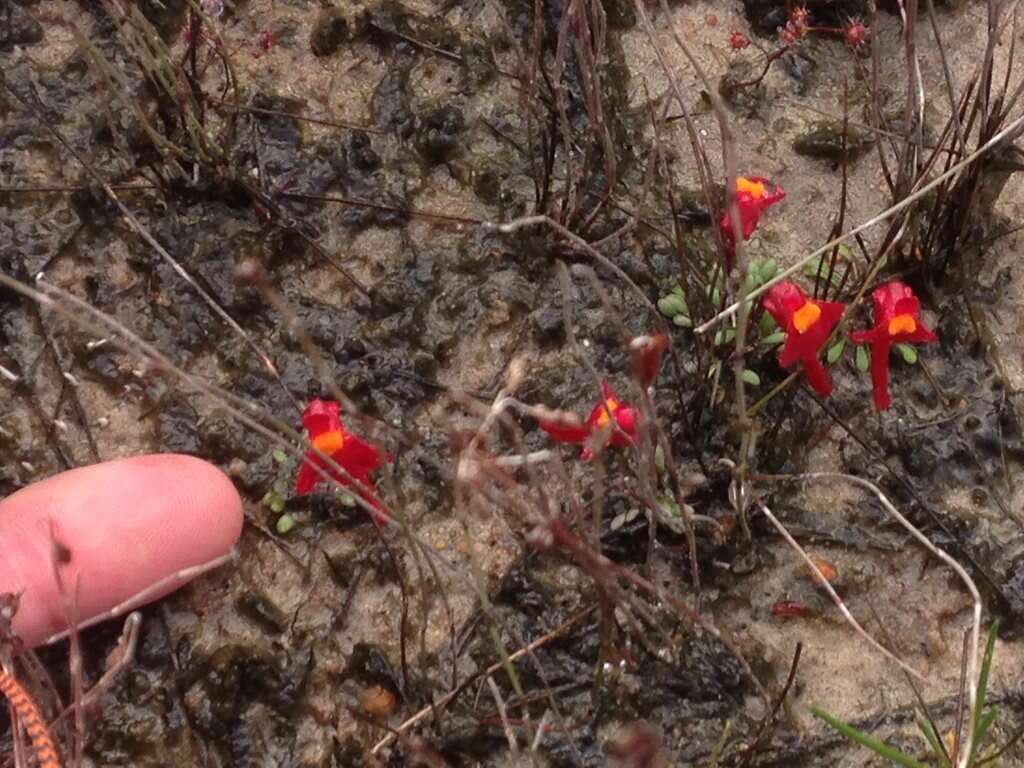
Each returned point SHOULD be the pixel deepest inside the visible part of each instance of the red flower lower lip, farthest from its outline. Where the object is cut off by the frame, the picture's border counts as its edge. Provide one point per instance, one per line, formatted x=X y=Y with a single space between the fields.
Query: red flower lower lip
x=897 y=321
x=357 y=458
x=610 y=408
x=808 y=323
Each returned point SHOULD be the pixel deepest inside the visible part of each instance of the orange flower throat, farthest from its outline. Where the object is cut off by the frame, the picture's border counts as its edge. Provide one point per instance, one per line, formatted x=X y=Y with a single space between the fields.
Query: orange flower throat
x=806 y=316
x=611 y=406
x=902 y=324
x=329 y=442
x=753 y=188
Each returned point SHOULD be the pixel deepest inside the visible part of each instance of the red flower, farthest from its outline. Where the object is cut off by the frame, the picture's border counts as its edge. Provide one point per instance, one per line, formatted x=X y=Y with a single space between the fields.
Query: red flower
x=752 y=198
x=897 y=321
x=610 y=407
x=358 y=458
x=738 y=41
x=807 y=323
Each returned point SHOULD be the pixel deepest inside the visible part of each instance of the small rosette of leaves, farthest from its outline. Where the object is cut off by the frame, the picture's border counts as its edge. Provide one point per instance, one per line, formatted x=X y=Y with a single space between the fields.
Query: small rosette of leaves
x=674 y=307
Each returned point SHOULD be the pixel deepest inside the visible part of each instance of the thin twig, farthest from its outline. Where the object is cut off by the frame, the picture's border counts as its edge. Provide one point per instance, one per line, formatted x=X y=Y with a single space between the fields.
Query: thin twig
x=448 y=697
x=819 y=577
x=975 y=637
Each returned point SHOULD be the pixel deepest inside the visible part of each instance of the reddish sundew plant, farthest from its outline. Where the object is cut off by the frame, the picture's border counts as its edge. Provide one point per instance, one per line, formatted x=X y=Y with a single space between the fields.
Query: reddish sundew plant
x=754 y=195
x=897 y=321
x=855 y=34
x=738 y=41
x=611 y=407
x=359 y=459
x=797 y=26
x=808 y=324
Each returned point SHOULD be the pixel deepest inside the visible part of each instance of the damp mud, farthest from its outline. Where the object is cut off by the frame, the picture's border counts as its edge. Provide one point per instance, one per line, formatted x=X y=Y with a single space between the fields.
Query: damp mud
x=361 y=156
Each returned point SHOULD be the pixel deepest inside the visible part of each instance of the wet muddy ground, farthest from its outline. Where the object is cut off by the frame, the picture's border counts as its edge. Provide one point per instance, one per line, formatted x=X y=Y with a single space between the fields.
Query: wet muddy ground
x=354 y=152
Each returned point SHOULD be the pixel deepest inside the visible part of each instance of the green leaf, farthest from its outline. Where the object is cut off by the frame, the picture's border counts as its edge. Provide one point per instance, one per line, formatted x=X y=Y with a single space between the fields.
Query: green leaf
x=859 y=737
x=724 y=336
x=769 y=269
x=754 y=278
x=776 y=338
x=279 y=456
x=767 y=324
x=671 y=506
x=276 y=504
x=863 y=361
x=811 y=270
x=835 y=352
x=908 y=353
x=285 y=523
x=751 y=378
x=683 y=321
x=677 y=289
x=812 y=267
x=346 y=499
x=672 y=305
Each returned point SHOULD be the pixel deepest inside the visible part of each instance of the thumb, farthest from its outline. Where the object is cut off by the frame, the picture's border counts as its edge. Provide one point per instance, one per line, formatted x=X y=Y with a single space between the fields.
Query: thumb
x=127 y=525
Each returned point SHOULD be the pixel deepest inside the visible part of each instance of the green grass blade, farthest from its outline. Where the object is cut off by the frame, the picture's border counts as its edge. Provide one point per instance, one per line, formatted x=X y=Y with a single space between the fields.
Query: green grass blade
x=880 y=749
x=986 y=666
x=933 y=741
x=983 y=720
x=982 y=731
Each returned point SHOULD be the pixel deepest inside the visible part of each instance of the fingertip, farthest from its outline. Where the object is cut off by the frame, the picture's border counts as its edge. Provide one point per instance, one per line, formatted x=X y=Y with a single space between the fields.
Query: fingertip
x=128 y=524
x=209 y=497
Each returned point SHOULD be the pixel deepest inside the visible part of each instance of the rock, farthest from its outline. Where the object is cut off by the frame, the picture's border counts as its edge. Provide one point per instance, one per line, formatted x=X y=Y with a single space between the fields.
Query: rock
x=824 y=139
x=361 y=154
x=438 y=133
x=390 y=104
x=548 y=327
x=504 y=295
x=738 y=89
x=18 y=28
x=330 y=30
